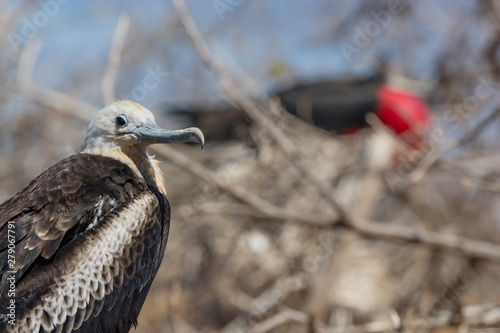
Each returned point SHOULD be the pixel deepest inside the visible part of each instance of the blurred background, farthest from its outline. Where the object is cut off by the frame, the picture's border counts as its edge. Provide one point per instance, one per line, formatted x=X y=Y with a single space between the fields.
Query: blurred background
x=350 y=178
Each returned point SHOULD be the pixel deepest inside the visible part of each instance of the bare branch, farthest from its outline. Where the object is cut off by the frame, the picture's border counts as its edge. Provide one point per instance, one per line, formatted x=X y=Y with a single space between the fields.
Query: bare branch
x=264 y=207
x=68 y=105
x=283 y=142
x=28 y=59
x=469 y=181
x=437 y=152
x=284 y=316
x=469 y=247
x=262 y=306
x=373 y=327
x=58 y=101
x=108 y=81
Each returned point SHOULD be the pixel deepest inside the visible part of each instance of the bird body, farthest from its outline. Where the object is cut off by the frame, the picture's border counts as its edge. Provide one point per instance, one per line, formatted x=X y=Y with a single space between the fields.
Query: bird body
x=90 y=232
x=337 y=106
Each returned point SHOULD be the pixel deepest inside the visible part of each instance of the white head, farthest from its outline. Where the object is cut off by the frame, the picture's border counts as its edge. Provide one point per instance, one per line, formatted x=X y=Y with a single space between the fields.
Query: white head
x=124 y=130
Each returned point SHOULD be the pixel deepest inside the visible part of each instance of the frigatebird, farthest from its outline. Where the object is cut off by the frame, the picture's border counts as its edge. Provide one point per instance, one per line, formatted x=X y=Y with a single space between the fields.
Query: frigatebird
x=337 y=106
x=81 y=244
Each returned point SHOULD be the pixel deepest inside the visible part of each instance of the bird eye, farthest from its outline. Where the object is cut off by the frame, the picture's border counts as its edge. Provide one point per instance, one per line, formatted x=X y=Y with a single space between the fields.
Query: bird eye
x=121 y=120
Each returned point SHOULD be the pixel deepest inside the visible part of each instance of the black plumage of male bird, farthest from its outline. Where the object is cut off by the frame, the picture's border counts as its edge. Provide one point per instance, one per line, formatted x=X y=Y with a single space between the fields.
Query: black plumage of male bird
x=82 y=243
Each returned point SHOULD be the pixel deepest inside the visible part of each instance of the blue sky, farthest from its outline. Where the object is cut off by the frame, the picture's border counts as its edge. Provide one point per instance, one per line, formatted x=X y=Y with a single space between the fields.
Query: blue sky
x=79 y=36
x=302 y=35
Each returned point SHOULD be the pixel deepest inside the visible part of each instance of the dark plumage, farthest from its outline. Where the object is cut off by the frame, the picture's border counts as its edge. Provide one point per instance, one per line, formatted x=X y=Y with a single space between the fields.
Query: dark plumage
x=337 y=106
x=90 y=234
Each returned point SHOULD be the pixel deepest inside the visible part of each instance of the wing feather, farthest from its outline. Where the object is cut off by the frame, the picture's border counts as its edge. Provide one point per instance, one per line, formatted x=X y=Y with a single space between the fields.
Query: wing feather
x=58 y=218
x=61 y=203
x=114 y=294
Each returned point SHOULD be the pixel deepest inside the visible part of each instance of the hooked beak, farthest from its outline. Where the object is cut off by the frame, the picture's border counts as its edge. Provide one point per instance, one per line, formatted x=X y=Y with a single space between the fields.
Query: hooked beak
x=151 y=133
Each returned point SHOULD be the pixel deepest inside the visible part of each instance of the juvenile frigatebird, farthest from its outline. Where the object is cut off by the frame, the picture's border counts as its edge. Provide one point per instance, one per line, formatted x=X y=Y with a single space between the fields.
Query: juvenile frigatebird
x=81 y=244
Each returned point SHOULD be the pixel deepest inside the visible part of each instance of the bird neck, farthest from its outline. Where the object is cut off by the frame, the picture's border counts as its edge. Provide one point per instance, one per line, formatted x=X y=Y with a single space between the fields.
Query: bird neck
x=148 y=168
x=138 y=160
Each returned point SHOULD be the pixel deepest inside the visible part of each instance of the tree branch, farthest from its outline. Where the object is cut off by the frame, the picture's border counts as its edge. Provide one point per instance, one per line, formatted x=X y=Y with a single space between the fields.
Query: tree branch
x=108 y=81
x=254 y=112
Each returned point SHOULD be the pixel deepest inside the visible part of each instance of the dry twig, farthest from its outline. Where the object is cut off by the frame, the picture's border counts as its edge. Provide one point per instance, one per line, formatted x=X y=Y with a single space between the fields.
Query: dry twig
x=283 y=142
x=437 y=152
x=472 y=248
x=108 y=81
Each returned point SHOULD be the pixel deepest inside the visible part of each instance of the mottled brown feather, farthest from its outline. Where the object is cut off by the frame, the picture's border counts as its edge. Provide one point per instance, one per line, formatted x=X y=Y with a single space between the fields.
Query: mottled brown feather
x=53 y=215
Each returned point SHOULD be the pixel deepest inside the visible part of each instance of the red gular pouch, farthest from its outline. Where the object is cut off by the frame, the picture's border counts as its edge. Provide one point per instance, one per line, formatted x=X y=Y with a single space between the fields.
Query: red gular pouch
x=404 y=114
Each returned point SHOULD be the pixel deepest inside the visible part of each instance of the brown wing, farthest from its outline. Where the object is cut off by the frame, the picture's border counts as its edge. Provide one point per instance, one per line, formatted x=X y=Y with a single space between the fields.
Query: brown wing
x=65 y=200
x=99 y=281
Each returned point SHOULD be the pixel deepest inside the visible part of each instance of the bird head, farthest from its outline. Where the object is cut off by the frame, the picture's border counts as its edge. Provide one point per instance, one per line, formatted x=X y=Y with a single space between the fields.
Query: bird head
x=124 y=130
x=127 y=124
